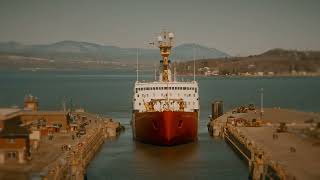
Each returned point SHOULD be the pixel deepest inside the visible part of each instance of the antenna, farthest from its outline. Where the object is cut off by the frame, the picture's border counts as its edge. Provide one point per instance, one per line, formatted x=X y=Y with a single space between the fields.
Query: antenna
x=194 y=65
x=261 y=103
x=71 y=105
x=174 y=72
x=155 y=72
x=137 y=64
x=64 y=104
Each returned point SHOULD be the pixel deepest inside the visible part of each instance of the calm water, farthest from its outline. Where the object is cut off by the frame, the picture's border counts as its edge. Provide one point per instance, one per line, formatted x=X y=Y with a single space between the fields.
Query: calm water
x=109 y=93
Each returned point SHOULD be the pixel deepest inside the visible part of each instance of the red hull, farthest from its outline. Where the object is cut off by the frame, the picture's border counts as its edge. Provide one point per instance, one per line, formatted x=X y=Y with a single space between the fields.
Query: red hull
x=165 y=128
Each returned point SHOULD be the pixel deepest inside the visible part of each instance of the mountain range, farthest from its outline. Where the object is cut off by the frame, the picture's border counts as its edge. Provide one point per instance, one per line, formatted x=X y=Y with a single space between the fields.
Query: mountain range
x=84 y=51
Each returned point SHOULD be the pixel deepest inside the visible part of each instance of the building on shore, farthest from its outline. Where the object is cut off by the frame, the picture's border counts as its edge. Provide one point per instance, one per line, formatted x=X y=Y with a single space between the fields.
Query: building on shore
x=14 y=138
x=21 y=129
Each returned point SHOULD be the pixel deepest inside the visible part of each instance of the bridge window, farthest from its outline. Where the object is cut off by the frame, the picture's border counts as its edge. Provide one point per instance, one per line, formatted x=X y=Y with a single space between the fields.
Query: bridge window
x=184 y=88
x=196 y=89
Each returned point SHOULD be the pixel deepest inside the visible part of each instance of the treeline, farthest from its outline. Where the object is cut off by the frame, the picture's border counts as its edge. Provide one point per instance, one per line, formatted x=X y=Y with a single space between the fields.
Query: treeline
x=276 y=61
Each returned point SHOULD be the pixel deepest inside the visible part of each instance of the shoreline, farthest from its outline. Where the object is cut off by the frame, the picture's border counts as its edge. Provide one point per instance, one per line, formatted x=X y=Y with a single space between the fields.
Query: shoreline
x=133 y=70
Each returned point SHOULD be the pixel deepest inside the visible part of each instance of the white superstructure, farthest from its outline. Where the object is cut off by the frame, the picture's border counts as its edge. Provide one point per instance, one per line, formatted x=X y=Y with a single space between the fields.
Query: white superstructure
x=166 y=96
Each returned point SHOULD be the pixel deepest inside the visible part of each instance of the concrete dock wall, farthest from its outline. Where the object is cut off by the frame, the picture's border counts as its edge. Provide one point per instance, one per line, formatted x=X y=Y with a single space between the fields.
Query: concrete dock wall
x=72 y=166
x=260 y=166
x=270 y=151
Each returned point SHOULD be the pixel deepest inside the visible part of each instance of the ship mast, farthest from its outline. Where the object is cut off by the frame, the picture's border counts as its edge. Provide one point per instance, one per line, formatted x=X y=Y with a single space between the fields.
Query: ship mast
x=165 y=41
x=137 y=65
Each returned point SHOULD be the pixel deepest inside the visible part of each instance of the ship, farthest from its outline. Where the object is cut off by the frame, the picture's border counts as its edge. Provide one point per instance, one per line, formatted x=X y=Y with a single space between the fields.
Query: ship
x=165 y=111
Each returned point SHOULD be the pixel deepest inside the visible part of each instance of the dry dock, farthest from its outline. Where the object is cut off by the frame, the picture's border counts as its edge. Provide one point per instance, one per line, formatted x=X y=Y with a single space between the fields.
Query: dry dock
x=277 y=144
x=65 y=154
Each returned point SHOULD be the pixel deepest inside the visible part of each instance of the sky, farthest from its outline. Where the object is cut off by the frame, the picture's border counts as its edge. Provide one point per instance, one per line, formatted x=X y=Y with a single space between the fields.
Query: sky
x=237 y=27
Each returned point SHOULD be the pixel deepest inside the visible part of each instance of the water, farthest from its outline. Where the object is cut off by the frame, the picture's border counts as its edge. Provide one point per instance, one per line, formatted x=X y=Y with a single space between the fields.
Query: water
x=109 y=93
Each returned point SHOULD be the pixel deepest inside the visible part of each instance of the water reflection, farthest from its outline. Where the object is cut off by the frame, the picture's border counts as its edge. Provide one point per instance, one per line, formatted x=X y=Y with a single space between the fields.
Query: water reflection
x=165 y=155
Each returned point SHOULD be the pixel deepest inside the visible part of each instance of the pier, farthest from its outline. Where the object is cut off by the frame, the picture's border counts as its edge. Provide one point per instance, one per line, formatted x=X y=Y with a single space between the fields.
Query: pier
x=65 y=156
x=51 y=145
x=275 y=143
